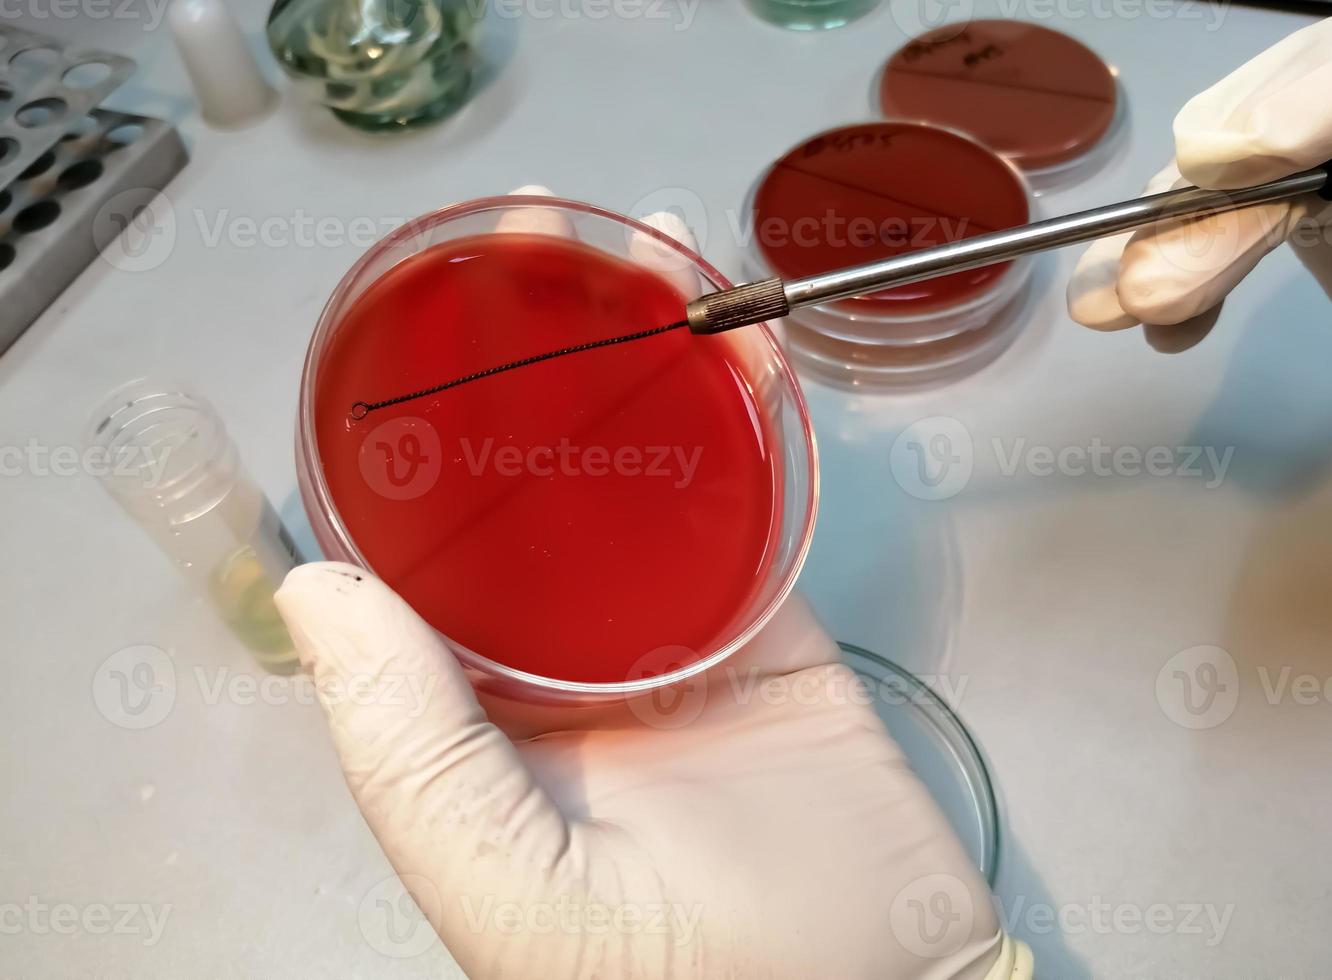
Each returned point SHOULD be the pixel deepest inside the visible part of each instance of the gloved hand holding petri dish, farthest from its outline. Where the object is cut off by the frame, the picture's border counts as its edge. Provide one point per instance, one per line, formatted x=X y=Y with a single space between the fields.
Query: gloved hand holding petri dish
x=751 y=819
x=757 y=822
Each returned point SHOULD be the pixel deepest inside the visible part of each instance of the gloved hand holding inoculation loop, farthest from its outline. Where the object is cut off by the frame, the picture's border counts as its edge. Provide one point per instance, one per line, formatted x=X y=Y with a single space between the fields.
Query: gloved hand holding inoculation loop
x=1268 y=119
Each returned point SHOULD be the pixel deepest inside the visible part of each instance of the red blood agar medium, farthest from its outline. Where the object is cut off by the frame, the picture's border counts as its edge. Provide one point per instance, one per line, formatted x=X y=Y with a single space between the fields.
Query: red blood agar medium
x=872 y=191
x=1038 y=97
x=567 y=519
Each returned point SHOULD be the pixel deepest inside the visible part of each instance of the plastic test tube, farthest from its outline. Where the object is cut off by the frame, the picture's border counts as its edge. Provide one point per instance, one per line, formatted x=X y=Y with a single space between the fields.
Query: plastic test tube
x=166 y=458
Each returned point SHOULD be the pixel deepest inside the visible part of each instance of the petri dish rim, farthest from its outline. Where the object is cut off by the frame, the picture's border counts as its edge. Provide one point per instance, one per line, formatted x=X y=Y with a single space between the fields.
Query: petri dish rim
x=955 y=742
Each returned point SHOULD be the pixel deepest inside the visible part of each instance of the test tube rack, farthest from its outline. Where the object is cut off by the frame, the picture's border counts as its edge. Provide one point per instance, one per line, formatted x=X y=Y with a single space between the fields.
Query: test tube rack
x=73 y=176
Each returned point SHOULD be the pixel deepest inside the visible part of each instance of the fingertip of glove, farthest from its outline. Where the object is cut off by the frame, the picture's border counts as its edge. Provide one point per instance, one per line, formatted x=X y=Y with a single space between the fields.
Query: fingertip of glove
x=318 y=581
x=671 y=224
x=323 y=598
x=1098 y=312
x=1091 y=297
x=659 y=256
x=535 y=220
x=1149 y=297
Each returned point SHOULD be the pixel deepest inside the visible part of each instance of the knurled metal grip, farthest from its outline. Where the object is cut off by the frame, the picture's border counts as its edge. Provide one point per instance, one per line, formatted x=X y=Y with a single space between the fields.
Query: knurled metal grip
x=739 y=306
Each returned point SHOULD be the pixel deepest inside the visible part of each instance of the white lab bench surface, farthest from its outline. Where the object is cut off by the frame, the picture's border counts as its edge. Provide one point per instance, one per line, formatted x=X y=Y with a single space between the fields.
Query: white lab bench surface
x=1134 y=845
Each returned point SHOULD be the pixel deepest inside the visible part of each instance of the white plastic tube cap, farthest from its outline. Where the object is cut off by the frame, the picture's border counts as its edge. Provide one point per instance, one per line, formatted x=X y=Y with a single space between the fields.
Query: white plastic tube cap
x=231 y=90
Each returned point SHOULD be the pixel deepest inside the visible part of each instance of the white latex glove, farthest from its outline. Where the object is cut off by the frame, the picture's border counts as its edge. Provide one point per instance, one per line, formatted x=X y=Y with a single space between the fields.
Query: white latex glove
x=1270 y=118
x=775 y=835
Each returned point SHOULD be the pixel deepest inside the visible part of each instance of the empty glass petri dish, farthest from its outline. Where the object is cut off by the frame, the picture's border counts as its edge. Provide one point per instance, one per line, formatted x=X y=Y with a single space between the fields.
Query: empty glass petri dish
x=941 y=751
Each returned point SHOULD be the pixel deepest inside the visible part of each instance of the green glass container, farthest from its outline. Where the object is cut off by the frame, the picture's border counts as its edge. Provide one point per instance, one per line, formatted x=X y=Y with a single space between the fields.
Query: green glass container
x=811 y=15
x=379 y=64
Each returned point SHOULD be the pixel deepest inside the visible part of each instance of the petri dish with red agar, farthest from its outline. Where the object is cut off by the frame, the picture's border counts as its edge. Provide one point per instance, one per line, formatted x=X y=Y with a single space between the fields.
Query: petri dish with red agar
x=585 y=528
x=871 y=191
x=1036 y=96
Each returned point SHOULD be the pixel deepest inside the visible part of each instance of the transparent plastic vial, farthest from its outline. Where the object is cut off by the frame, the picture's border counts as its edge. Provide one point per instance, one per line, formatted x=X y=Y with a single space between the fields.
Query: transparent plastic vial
x=379 y=64
x=165 y=456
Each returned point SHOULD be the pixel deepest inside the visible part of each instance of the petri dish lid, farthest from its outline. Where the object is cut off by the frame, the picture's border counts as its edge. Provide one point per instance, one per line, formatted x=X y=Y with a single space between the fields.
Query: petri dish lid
x=941 y=751
x=1038 y=97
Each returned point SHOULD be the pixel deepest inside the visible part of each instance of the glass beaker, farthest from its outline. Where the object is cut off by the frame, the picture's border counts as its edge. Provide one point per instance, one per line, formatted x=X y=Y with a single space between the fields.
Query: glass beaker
x=811 y=15
x=379 y=64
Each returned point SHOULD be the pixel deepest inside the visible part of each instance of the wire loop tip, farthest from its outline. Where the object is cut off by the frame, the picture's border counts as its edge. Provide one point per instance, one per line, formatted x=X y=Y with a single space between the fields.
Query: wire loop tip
x=360 y=410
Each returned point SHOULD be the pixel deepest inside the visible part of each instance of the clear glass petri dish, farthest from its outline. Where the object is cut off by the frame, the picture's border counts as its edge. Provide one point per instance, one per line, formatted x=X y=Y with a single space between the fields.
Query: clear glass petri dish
x=869 y=191
x=1039 y=98
x=942 y=752
x=754 y=353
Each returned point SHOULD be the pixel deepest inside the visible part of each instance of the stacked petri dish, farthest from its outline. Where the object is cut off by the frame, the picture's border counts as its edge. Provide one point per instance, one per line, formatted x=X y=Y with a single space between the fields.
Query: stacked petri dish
x=979 y=118
x=870 y=191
